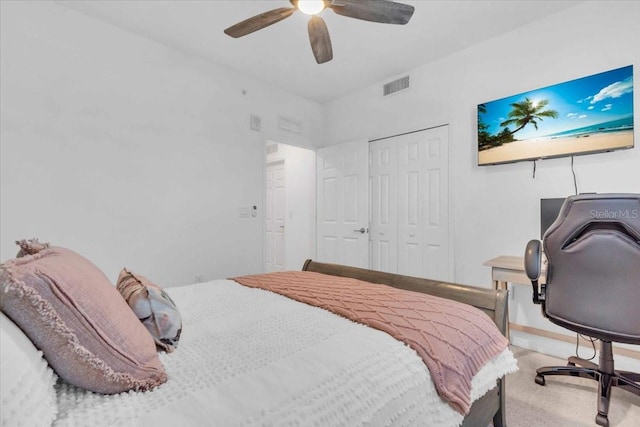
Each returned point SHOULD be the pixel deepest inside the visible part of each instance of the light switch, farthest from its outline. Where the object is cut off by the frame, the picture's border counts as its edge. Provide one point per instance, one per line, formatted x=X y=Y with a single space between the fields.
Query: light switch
x=255 y=122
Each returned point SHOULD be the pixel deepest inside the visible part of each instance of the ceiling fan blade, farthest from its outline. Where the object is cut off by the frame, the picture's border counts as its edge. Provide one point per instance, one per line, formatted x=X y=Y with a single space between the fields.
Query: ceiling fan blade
x=320 y=40
x=259 y=22
x=383 y=11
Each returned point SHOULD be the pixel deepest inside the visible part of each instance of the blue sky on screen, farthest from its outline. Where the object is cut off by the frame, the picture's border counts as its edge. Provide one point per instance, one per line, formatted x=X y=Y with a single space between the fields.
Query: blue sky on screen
x=582 y=102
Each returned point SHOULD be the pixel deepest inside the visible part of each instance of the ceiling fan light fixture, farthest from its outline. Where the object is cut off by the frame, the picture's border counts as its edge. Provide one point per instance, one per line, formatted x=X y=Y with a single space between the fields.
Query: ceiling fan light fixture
x=382 y=11
x=311 y=7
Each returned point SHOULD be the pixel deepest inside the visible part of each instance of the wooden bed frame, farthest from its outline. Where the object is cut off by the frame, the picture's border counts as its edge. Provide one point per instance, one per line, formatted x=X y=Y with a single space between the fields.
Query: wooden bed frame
x=490 y=407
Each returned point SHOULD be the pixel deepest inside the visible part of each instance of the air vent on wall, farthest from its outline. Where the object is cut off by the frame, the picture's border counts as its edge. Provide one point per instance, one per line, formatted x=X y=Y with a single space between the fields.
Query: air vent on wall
x=395 y=86
x=289 y=124
x=272 y=148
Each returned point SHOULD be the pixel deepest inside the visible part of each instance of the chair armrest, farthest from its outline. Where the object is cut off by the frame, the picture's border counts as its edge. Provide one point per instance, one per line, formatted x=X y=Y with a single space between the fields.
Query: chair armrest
x=533 y=266
x=533 y=259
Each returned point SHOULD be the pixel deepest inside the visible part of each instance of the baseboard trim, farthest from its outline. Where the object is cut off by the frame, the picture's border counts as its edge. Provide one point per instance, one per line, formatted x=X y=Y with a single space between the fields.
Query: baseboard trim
x=562 y=346
x=572 y=340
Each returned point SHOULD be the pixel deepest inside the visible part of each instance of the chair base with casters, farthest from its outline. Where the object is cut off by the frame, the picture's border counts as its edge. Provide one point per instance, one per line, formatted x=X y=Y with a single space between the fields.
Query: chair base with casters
x=604 y=374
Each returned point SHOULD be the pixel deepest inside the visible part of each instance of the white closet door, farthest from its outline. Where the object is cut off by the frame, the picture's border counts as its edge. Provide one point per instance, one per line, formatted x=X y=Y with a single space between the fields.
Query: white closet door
x=410 y=184
x=423 y=209
x=383 y=232
x=438 y=262
x=343 y=204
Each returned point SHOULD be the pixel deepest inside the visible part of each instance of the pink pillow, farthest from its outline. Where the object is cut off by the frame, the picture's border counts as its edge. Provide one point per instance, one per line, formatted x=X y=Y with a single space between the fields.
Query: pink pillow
x=71 y=312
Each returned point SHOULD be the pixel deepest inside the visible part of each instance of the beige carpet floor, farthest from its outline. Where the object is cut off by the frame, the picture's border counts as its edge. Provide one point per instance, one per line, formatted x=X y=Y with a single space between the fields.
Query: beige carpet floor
x=563 y=401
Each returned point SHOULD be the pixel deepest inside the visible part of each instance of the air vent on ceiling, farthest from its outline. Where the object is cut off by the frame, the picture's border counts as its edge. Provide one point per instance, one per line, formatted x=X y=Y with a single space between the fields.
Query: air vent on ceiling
x=395 y=86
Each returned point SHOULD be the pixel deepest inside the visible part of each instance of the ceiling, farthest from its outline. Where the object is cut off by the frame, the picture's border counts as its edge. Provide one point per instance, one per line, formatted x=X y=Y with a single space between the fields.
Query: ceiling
x=363 y=52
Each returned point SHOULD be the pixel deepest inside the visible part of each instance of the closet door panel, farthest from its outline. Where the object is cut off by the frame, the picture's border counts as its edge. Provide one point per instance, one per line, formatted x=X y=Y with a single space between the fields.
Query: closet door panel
x=423 y=227
x=410 y=204
x=437 y=257
x=383 y=205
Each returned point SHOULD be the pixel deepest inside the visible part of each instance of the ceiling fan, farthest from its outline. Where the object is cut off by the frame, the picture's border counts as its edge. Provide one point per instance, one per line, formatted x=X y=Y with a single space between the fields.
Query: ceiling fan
x=383 y=11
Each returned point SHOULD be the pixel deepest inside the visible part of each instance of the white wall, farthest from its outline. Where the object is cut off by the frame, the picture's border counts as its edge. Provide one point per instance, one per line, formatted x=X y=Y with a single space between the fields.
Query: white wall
x=129 y=152
x=496 y=208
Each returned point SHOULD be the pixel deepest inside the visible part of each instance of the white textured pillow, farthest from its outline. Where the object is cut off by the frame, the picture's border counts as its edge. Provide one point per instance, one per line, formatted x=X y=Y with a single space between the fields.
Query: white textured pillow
x=27 y=393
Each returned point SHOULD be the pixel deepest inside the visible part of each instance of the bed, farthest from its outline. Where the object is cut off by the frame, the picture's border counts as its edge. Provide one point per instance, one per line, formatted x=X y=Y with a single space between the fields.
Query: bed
x=253 y=356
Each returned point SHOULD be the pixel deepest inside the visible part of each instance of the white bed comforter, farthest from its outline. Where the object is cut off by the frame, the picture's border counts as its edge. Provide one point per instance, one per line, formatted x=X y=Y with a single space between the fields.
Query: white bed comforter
x=248 y=357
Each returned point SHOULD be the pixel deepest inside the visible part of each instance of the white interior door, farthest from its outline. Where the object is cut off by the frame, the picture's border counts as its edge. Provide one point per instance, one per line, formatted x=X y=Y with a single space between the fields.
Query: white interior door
x=343 y=205
x=423 y=192
x=276 y=206
x=383 y=222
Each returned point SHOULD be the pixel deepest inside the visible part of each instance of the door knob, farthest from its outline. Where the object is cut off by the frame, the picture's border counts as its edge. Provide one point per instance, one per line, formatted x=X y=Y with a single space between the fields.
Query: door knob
x=360 y=230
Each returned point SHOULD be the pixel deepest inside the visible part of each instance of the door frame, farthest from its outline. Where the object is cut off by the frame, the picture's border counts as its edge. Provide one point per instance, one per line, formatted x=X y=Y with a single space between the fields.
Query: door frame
x=311 y=188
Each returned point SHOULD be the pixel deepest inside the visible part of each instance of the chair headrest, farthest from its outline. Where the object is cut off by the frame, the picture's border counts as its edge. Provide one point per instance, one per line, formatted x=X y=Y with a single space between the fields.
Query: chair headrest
x=585 y=214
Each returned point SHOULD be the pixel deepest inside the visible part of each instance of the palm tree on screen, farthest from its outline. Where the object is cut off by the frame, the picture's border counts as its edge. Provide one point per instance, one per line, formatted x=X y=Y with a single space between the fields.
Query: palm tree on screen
x=528 y=112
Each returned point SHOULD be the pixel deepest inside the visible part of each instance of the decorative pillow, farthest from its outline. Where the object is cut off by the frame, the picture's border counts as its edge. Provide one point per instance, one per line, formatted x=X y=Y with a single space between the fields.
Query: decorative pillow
x=27 y=393
x=70 y=311
x=153 y=307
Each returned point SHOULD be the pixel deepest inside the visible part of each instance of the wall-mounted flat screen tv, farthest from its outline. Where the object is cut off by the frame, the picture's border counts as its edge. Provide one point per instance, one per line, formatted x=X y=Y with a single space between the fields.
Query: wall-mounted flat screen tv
x=588 y=115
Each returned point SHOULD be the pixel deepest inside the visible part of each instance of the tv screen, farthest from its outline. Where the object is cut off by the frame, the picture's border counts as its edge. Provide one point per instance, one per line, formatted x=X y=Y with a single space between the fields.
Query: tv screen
x=549 y=210
x=583 y=116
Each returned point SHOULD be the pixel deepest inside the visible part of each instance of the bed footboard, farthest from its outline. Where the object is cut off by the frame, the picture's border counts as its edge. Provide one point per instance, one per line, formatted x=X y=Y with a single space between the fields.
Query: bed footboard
x=493 y=302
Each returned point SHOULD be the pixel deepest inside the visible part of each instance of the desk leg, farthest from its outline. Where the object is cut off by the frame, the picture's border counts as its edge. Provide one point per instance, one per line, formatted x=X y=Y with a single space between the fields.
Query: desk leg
x=498 y=285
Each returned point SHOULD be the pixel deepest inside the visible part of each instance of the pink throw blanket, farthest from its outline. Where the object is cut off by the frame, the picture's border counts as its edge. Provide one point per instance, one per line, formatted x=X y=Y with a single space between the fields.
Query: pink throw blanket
x=455 y=340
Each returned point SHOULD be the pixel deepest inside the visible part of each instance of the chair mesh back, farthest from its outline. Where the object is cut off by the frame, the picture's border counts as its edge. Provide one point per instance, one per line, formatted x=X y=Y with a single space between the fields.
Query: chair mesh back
x=593 y=251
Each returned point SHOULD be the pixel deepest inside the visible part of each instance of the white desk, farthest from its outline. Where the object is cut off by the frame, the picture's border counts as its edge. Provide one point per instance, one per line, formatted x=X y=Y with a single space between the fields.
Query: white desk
x=505 y=269
x=509 y=269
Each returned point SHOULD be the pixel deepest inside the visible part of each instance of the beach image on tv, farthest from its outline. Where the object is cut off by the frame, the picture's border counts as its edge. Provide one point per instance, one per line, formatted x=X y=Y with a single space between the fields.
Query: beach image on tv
x=587 y=115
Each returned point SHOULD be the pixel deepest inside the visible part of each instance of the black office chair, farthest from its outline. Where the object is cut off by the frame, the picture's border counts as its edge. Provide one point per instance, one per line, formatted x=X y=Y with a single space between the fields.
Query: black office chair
x=592 y=284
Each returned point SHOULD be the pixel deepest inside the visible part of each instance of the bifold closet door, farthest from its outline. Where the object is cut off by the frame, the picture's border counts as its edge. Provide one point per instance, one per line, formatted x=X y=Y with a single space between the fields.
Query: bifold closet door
x=423 y=212
x=409 y=204
x=383 y=211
